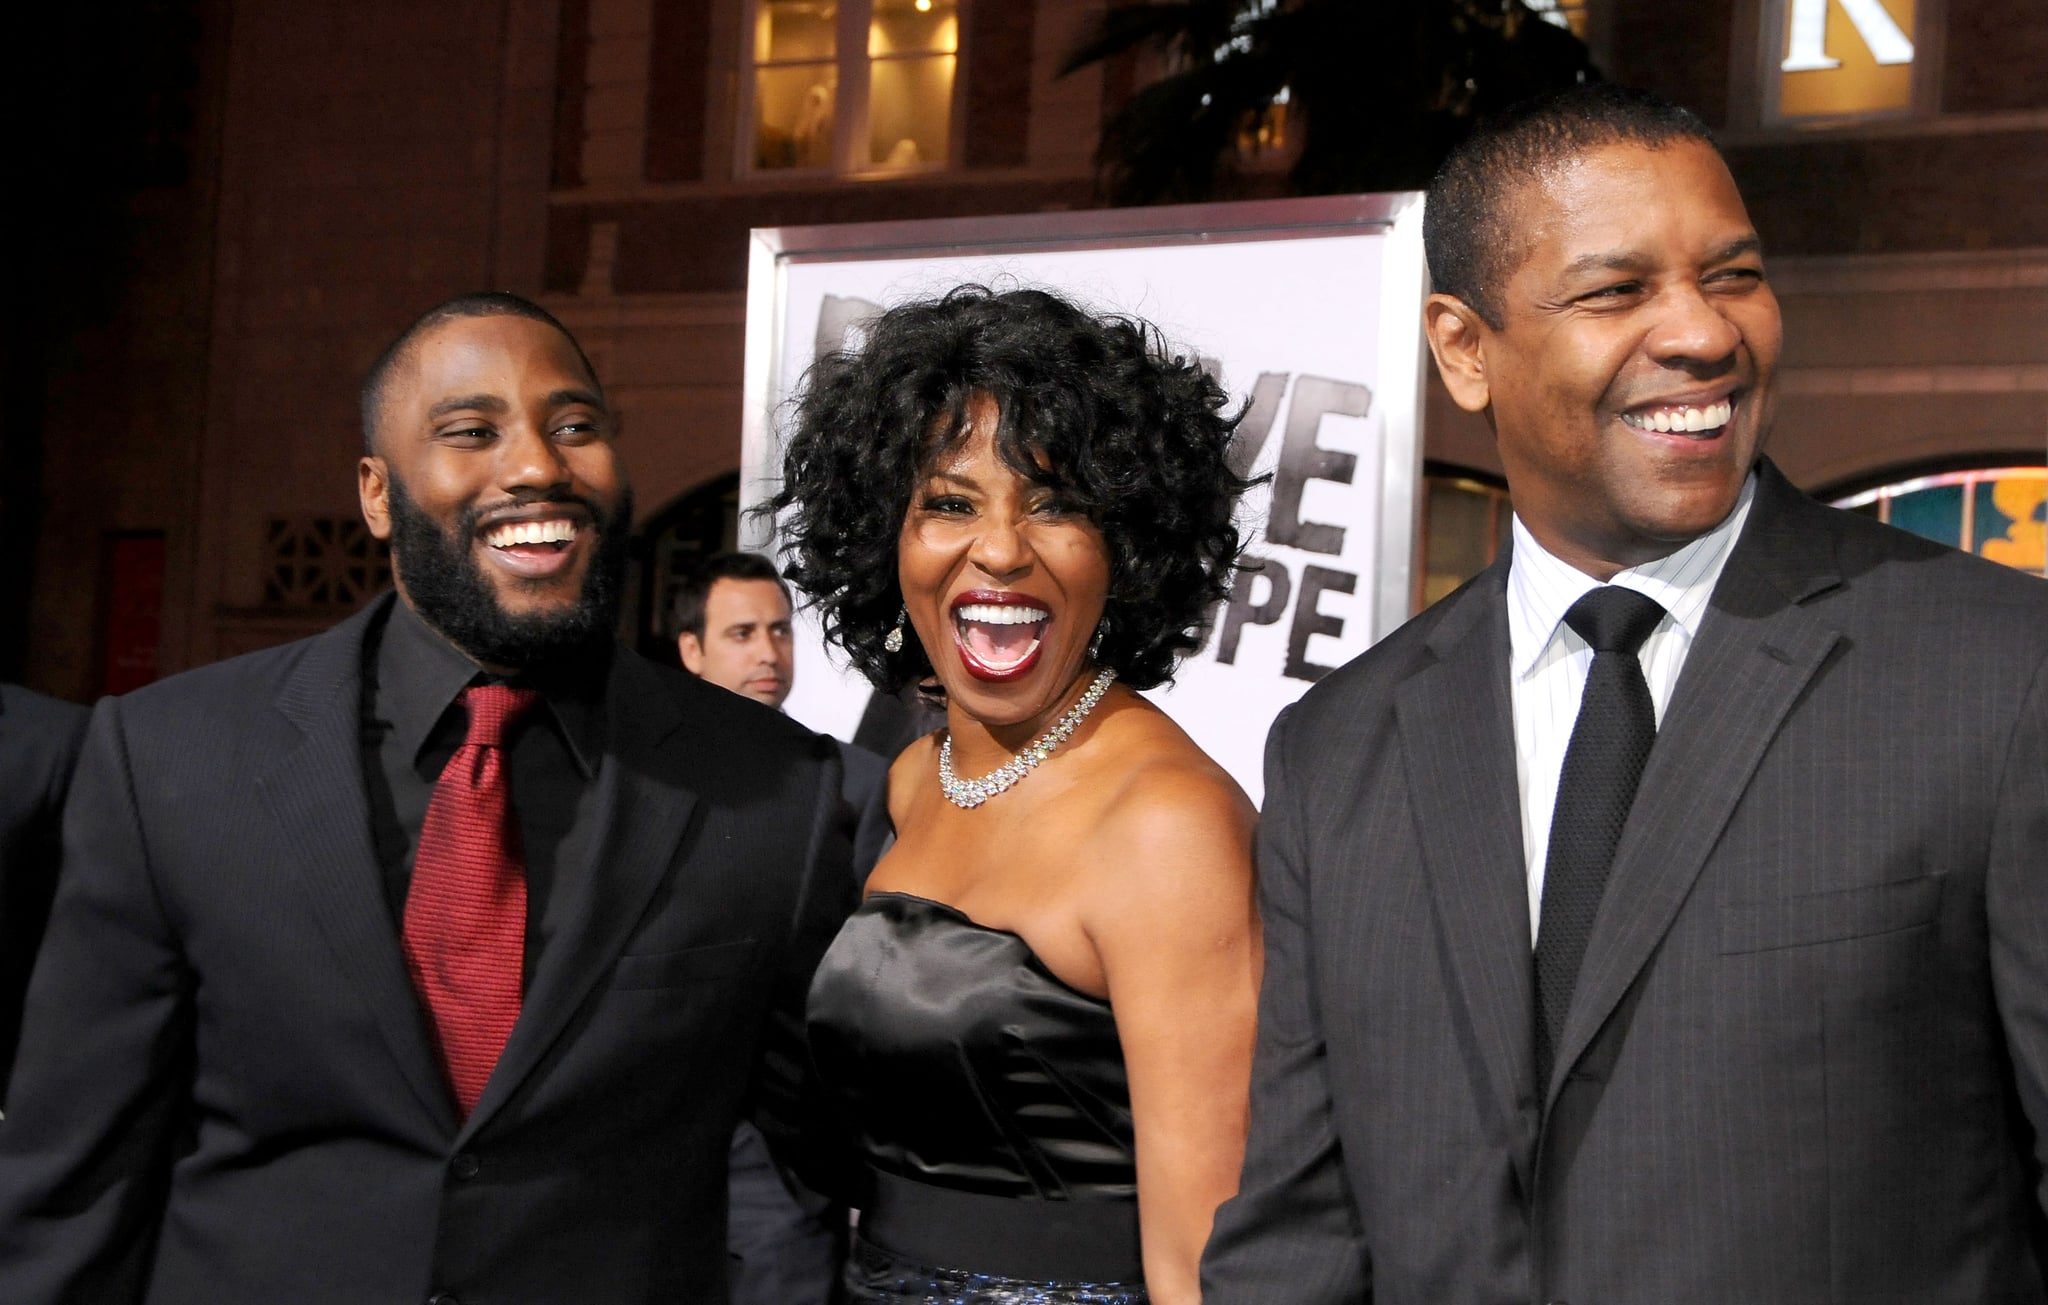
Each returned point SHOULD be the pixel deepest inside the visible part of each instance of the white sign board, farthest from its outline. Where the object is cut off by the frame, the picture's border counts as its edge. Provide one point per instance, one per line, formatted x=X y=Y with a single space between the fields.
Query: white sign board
x=1308 y=309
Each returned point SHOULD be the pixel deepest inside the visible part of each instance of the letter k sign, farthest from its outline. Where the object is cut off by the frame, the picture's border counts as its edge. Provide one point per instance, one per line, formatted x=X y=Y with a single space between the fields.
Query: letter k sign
x=1806 y=50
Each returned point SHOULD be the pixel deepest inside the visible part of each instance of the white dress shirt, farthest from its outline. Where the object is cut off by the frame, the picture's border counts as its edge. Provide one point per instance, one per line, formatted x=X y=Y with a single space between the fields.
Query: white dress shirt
x=1549 y=661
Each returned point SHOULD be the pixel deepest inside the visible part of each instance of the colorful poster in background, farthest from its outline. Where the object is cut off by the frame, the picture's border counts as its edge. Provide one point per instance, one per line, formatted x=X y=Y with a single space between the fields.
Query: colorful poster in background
x=1309 y=312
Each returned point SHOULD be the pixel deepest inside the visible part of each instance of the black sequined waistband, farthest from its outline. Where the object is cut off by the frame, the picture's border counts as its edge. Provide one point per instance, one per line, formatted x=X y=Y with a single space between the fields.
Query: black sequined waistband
x=1051 y=1241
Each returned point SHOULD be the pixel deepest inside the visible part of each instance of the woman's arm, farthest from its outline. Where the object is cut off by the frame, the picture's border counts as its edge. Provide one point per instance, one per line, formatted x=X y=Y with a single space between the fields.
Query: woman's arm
x=1178 y=935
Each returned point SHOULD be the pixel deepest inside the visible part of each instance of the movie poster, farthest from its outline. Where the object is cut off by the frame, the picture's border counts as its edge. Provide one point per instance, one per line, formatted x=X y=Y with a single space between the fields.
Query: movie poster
x=1308 y=311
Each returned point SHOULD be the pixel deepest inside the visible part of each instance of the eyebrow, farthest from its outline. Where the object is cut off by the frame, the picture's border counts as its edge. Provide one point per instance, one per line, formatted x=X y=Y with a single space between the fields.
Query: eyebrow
x=462 y=402
x=1634 y=262
x=1736 y=248
x=494 y=404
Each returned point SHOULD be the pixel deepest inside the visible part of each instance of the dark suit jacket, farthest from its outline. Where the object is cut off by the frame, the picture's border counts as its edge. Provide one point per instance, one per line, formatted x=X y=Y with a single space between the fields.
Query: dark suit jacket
x=865 y=791
x=1807 y=1057
x=227 y=1093
x=39 y=740
x=787 y=1241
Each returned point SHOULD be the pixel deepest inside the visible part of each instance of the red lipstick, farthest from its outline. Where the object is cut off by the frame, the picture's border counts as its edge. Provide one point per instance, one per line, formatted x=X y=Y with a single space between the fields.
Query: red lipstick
x=999 y=634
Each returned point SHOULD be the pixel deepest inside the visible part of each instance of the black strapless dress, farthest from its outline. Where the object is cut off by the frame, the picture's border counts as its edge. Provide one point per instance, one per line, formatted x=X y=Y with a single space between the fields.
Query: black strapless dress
x=990 y=1104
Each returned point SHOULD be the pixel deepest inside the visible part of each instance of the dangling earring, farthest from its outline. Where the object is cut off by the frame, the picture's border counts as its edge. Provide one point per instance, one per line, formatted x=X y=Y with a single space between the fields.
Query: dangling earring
x=1095 y=644
x=893 y=641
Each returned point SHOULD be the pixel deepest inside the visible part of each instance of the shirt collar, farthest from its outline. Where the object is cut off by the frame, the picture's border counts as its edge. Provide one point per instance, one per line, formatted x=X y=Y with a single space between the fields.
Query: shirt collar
x=1542 y=588
x=419 y=674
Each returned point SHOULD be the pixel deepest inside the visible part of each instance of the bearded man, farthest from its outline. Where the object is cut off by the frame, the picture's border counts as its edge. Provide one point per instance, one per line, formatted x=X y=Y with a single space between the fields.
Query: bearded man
x=435 y=957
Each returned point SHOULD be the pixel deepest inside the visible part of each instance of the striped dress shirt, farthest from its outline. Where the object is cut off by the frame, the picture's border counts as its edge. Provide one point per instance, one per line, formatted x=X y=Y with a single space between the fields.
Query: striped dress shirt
x=1550 y=661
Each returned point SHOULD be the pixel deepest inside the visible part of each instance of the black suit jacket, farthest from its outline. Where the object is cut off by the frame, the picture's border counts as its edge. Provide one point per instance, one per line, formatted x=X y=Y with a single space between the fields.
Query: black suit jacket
x=1807 y=1057
x=39 y=740
x=865 y=791
x=227 y=1093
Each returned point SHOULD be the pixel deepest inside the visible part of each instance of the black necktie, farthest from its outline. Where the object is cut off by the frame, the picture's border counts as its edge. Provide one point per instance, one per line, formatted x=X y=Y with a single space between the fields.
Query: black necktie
x=1602 y=766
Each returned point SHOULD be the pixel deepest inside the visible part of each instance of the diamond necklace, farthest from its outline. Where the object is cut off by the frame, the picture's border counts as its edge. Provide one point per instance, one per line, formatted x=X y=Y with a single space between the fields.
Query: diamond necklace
x=970 y=793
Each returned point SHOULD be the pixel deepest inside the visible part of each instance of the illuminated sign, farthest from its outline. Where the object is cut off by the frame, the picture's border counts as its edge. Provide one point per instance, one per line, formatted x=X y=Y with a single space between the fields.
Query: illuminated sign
x=1845 y=57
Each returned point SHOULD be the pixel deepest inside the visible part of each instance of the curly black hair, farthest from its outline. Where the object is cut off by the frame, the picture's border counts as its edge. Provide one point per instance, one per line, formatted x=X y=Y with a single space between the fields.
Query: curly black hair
x=1095 y=408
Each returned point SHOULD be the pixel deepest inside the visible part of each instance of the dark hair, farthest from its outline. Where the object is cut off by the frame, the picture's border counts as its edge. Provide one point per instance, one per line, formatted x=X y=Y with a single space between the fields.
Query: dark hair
x=1469 y=230
x=480 y=303
x=694 y=583
x=1094 y=408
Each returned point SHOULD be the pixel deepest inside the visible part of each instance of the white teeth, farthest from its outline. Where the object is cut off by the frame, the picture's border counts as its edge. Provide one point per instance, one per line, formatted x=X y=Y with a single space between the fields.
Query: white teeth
x=998 y=614
x=557 y=531
x=1016 y=661
x=1686 y=419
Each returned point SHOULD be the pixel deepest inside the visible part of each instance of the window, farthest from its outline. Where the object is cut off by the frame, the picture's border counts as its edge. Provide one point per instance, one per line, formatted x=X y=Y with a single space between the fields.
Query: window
x=853 y=86
x=2000 y=513
x=1465 y=520
x=1835 y=59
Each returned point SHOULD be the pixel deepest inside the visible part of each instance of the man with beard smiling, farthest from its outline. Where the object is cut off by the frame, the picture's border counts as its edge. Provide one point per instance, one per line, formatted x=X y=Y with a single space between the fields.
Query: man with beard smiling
x=435 y=957
x=1663 y=916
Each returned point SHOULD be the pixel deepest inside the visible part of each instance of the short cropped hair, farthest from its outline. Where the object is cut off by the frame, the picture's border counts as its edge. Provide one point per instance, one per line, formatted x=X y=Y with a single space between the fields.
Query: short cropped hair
x=1095 y=408
x=1469 y=228
x=694 y=583
x=480 y=303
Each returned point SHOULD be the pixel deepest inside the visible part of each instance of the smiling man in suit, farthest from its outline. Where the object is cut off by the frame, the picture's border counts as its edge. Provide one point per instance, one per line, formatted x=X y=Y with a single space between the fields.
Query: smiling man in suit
x=437 y=956
x=1663 y=916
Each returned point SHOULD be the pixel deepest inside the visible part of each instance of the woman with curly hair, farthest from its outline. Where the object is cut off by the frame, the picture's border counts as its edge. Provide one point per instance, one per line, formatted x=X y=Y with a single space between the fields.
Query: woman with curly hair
x=1038 y=1027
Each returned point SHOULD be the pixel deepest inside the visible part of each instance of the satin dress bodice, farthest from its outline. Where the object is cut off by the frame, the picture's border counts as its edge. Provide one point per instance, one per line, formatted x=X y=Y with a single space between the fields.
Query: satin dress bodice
x=987 y=1097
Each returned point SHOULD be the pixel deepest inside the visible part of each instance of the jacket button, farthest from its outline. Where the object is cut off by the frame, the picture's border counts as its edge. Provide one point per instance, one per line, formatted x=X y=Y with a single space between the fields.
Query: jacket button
x=465 y=1166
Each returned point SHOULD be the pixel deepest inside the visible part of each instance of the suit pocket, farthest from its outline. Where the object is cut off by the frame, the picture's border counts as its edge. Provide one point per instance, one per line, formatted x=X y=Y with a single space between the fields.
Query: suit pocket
x=1829 y=917
x=691 y=965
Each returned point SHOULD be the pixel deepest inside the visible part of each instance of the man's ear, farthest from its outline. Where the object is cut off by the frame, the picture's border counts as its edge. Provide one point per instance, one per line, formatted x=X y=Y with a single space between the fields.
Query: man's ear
x=692 y=650
x=373 y=487
x=1457 y=336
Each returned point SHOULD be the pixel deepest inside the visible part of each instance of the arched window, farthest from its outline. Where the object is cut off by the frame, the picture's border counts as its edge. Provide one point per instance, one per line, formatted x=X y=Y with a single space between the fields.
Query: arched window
x=2000 y=513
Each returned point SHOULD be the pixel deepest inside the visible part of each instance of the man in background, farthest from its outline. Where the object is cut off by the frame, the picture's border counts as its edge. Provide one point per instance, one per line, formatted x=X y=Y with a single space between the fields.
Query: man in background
x=732 y=616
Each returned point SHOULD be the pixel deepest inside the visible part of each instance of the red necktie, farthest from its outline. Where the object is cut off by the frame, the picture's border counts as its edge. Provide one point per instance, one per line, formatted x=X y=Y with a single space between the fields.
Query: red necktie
x=465 y=914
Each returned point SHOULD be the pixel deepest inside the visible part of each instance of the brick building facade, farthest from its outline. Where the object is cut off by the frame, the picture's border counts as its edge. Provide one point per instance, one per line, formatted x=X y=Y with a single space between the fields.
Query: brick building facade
x=357 y=162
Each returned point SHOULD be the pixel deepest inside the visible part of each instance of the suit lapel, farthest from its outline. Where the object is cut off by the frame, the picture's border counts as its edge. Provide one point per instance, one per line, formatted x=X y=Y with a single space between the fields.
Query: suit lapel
x=1757 y=650
x=642 y=810
x=1457 y=744
x=316 y=795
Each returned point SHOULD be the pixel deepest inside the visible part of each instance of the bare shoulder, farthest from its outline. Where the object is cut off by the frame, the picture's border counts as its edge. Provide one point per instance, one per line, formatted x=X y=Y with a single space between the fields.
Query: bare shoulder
x=1167 y=787
x=1172 y=836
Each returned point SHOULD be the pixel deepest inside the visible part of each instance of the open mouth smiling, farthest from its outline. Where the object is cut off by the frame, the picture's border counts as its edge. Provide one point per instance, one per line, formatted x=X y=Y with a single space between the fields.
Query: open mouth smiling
x=1704 y=420
x=998 y=634
x=532 y=547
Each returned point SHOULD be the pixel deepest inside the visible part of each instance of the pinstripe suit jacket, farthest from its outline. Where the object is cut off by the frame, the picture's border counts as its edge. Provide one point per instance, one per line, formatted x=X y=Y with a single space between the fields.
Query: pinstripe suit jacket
x=1807 y=1058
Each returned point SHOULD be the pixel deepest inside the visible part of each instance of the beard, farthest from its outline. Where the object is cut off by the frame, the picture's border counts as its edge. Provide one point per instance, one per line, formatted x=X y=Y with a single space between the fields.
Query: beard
x=447 y=586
